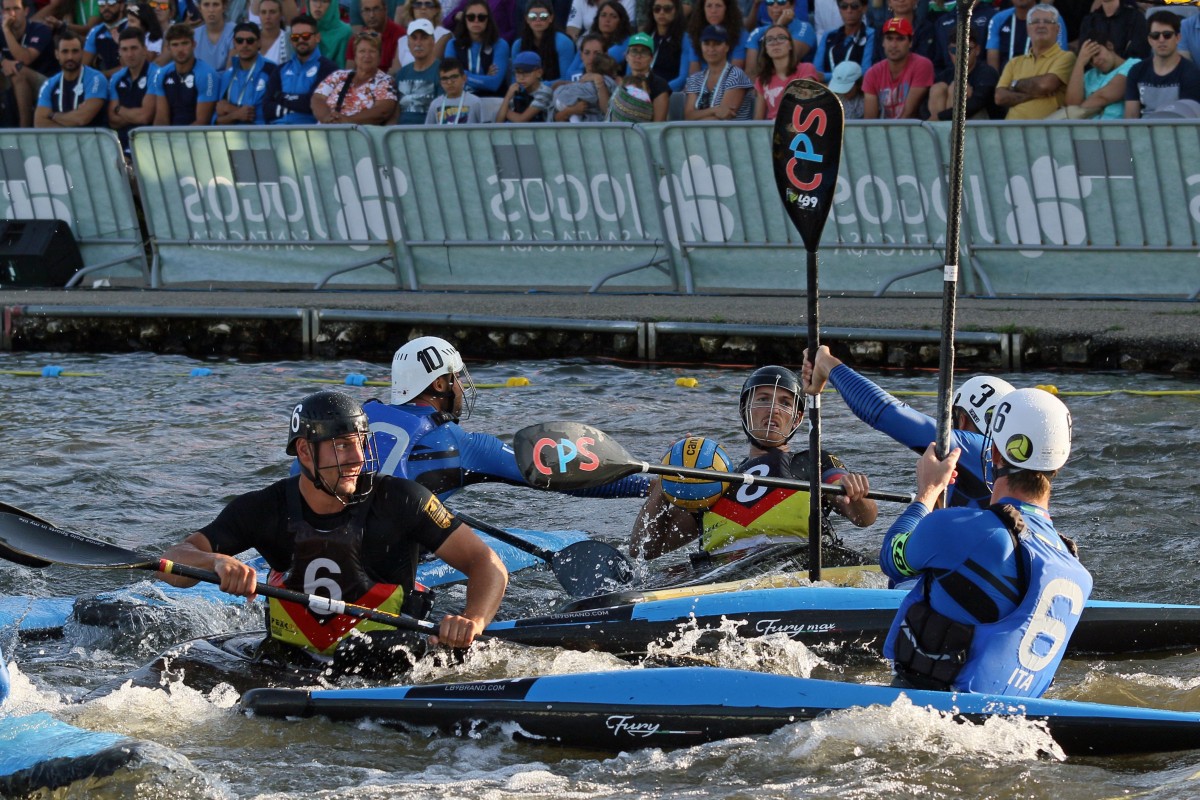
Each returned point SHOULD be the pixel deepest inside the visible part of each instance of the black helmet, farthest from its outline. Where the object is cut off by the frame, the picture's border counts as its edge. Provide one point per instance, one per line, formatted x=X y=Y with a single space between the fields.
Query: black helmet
x=325 y=415
x=776 y=378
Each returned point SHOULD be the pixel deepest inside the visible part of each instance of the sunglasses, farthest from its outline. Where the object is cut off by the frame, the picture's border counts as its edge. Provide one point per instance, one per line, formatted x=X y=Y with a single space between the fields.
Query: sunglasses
x=1156 y=35
x=777 y=2
x=663 y=9
x=108 y=2
x=302 y=37
x=849 y=6
x=159 y=6
x=245 y=40
x=542 y=15
x=477 y=17
x=424 y=4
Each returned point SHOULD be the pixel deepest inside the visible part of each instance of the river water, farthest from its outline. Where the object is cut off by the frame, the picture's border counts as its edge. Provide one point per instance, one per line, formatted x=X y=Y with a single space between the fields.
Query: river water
x=141 y=453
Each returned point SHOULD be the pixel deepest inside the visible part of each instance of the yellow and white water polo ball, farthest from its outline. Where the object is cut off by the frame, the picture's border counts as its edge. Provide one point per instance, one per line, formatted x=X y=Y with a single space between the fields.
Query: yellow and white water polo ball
x=695 y=452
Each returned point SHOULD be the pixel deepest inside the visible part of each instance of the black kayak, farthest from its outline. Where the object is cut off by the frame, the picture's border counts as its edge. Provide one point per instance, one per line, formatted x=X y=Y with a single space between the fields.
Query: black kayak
x=681 y=706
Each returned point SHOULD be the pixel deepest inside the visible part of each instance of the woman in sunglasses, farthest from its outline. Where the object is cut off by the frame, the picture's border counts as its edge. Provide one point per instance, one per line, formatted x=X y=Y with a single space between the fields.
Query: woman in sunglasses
x=477 y=44
x=539 y=36
x=667 y=29
x=723 y=14
x=781 y=12
x=503 y=13
x=409 y=13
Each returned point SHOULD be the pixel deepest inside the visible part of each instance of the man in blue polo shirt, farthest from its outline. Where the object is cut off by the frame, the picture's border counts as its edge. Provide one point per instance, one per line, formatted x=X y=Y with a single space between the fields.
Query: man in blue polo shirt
x=130 y=103
x=244 y=84
x=74 y=97
x=186 y=89
x=101 y=50
x=288 y=99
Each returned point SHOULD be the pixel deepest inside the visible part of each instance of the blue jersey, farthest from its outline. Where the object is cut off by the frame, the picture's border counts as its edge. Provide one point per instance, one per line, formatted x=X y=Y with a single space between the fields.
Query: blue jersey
x=185 y=92
x=915 y=431
x=247 y=87
x=128 y=91
x=422 y=444
x=60 y=95
x=288 y=99
x=102 y=43
x=1022 y=592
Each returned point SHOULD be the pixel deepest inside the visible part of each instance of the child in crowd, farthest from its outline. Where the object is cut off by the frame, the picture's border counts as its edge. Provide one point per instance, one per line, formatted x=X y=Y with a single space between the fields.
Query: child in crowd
x=456 y=106
x=586 y=100
x=528 y=99
x=631 y=101
x=846 y=83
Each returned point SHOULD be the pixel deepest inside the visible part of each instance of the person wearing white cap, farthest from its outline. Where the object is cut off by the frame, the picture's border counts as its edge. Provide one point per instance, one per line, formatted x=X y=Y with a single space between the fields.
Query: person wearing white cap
x=999 y=590
x=846 y=84
x=417 y=84
x=409 y=13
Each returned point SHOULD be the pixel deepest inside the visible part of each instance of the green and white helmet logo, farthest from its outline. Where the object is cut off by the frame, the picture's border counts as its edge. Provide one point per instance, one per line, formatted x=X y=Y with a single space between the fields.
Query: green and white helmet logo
x=1018 y=448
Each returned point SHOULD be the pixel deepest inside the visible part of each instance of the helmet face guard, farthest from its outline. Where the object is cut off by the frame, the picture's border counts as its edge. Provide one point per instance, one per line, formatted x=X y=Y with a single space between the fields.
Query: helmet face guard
x=337 y=417
x=772 y=407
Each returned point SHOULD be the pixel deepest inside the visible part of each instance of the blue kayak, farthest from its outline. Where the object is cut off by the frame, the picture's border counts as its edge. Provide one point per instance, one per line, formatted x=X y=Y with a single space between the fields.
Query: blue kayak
x=684 y=706
x=40 y=752
x=815 y=615
x=46 y=616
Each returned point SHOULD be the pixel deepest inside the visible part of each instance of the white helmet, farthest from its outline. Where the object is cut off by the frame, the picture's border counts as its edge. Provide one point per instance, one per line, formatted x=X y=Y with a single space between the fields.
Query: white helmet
x=1032 y=430
x=420 y=362
x=978 y=397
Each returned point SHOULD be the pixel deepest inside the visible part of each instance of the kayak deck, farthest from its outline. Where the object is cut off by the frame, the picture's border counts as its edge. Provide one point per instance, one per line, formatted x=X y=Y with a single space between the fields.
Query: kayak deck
x=622 y=710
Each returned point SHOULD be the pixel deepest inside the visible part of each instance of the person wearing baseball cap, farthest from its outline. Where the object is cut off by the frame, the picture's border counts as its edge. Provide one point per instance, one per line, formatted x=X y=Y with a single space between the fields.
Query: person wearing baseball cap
x=639 y=55
x=418 y=83
x=895 y=87
x=528 y=98
x=719 y=91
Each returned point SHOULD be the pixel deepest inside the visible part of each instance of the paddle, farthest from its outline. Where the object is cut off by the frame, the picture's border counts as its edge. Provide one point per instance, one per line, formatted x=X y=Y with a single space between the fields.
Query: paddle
x=565 y=456
x=38 y=544
x=807 y=149
x=585 y=569
x=958 y=132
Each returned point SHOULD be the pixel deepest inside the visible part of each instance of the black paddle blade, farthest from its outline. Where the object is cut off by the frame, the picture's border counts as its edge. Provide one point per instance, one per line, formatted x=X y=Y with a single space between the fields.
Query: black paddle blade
x=39 y=544
x=806 y=149
x=589 y=568
x=564 y=456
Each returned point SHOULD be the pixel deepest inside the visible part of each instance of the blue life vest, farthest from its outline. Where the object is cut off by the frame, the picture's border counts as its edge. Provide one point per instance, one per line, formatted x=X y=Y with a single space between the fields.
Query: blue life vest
x=1015 y=655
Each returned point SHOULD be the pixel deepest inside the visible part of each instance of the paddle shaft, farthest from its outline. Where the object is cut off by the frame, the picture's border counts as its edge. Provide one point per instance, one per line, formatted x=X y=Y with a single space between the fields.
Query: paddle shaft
x=748 y=479
x=958 y=132
x=499 y=533
x=814 y=421
x=319 y=604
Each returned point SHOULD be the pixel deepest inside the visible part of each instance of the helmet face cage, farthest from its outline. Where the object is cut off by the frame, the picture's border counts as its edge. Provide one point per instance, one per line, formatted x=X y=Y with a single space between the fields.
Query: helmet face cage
x=336 y=417
x=469 y=392
x=422 y=361
x=773 y=379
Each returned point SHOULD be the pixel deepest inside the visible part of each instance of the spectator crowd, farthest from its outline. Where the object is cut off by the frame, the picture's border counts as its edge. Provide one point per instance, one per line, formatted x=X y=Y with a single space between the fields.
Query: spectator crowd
x=125 y=63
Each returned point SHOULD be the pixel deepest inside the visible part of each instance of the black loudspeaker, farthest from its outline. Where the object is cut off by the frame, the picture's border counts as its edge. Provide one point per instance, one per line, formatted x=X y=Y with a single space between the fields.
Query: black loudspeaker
x=37 y=252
